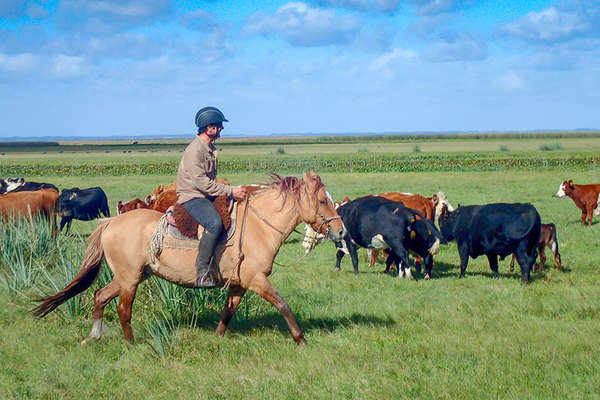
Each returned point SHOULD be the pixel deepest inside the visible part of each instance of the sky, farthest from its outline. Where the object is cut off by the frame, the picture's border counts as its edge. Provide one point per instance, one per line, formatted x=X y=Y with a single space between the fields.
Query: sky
x=101 y=68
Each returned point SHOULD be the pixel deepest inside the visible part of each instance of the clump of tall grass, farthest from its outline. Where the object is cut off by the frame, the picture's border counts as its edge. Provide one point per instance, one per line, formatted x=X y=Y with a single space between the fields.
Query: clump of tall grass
x=25 y=245
x=416 y=148
x=363 y=150
x=551 y=146
x=504 y=148
x=280 y=150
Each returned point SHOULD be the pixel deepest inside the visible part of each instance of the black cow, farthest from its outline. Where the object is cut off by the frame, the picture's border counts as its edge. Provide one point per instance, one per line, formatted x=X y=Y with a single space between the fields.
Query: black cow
x=19 y=185
x=495 y=230
x=376 y=222
x=82 y=204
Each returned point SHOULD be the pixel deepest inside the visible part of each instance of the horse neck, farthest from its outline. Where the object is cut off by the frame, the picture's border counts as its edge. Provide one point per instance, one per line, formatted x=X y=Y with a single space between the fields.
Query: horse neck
x=284 y=217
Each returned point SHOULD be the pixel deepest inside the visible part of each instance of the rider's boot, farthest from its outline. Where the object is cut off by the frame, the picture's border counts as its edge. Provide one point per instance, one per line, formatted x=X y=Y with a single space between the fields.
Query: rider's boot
x=205 y=278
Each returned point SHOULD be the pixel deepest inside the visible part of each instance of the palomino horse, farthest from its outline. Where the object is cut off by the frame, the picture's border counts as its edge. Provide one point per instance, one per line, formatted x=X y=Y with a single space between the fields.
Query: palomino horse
x=265 y=220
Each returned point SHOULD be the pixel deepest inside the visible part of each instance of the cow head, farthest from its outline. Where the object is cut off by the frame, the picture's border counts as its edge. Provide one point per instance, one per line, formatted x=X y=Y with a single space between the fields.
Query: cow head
x=447 y=223
x=67 y=202
x=13 y=183
x=440 y=200
x=565 y=189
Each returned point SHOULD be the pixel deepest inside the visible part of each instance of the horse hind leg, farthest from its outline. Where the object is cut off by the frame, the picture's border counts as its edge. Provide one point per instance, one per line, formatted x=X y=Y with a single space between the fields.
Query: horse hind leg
x=126 y=298
x=234 y=297
x=101 y=298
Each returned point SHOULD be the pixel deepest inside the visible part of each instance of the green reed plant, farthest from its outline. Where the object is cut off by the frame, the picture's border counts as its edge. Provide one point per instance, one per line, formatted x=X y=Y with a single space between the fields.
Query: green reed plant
x=25 y=243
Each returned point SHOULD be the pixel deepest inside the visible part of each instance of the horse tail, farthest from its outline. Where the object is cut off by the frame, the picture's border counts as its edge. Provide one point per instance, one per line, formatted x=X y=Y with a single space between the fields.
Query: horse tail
x=90 y=268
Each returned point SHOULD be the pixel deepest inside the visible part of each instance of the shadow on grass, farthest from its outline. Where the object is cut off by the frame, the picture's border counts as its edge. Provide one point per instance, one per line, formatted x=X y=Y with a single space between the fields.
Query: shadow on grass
x=275 y=321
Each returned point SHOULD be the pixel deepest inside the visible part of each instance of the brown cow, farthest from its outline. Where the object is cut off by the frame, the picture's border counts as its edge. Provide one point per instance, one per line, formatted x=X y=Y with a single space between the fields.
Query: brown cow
x=30 y=203
x=169 y=197
x=585 y=197
x=547 y=238
x=132 y=205
x=162 y=188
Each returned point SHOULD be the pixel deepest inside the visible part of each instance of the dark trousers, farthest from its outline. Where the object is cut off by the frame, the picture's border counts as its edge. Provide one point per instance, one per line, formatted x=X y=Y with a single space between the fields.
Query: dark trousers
x=203 y=211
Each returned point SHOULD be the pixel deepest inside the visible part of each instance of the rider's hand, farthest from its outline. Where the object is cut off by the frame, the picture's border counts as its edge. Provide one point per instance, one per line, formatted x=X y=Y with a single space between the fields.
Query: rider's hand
x=239 y=193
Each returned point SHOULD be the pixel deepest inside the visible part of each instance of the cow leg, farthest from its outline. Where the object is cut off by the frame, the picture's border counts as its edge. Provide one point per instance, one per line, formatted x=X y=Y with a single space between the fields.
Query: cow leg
x=418 y=261
x=63 y=222
x=339 y=255
x=353 y=254
x=428 y=261
x=463 y=253
x=583 y=217
x=542 y=254
x=526 y=260
x=590 y=213
x=234 y=297
x=389 y=261
x=493 y=260
x=401 y=257
x=512 y=263
x=556 y=255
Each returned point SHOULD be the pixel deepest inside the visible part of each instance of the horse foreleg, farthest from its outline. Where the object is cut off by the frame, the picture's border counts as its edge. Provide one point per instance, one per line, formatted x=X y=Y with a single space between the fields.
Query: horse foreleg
x=265 y=289
x=126 y=297
x=234 y=297
x=101 y=298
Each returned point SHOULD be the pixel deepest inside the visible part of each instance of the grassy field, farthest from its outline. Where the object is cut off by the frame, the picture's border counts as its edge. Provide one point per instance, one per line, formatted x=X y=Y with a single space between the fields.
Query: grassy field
x=369 y=335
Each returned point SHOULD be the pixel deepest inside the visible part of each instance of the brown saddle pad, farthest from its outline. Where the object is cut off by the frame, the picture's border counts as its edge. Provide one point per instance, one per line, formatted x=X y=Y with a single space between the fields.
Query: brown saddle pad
x=188 y=226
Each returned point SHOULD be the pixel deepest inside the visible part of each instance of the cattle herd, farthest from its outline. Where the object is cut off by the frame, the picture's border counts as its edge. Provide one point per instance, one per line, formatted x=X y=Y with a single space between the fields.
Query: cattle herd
x=397 y=223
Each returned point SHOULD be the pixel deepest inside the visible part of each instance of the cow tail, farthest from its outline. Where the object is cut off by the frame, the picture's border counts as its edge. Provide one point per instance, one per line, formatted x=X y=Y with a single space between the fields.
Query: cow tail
x=553 y=239
x=105 y=209
x=90 y=268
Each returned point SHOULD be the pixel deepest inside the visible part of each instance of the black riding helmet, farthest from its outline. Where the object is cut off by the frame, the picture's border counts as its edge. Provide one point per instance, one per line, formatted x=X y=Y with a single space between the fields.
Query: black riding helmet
x=209 y=116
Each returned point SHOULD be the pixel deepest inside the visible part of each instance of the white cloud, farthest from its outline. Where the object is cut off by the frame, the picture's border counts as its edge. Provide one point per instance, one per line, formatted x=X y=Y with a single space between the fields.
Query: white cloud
x=67 y=67
x=364 y=5
x=301 y=25
x=459 y=47
x=432 y=7
x=395 y=56
x=18 y=63
x=554 y=24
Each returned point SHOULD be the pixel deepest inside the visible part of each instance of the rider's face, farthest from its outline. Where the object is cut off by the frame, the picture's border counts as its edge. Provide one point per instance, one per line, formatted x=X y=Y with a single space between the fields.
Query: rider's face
x=214 y=130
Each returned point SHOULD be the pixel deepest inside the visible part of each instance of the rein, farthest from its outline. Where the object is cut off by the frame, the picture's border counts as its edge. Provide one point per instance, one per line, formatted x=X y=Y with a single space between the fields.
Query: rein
x=270 y=225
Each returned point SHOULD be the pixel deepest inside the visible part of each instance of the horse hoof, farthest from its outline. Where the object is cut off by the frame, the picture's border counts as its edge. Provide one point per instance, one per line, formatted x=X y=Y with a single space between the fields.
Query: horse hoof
x=427 y=277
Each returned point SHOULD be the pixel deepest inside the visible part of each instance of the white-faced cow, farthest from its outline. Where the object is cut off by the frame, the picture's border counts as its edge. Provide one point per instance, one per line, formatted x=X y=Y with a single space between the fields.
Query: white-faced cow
x=20 y=185
x=586 y=197
x=379 y=223
x=82 y=204
x=498 y=229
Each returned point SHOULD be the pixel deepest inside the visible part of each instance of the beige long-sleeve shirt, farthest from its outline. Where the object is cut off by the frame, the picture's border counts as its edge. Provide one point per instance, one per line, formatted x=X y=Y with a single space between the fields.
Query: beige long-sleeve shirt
x=197 y=173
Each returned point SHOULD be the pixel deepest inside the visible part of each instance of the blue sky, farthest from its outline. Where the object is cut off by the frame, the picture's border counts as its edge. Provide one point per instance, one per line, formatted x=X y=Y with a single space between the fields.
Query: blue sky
x=144 y=67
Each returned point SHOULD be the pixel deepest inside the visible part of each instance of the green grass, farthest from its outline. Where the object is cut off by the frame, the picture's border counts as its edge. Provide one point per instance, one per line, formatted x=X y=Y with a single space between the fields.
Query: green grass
x=369 y=335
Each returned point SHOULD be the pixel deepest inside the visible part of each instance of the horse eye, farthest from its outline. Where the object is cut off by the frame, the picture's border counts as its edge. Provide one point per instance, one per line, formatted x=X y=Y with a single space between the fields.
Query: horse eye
x=322 y=202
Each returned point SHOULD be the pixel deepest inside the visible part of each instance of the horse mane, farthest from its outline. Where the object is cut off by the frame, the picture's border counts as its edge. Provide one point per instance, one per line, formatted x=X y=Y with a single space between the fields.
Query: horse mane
x=290 y=185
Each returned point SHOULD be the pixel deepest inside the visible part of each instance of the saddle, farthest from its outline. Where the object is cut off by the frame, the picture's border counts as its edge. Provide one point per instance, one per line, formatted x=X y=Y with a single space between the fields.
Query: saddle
x=189 y=227
x=184 y=226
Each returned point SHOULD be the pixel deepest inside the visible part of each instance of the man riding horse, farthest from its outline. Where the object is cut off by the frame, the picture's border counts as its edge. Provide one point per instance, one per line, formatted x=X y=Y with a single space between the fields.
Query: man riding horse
x=197 y=188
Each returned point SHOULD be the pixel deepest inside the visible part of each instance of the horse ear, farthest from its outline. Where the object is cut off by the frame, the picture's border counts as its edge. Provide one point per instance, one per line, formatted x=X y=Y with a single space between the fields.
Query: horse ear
x=304 y=176
x=435 y=199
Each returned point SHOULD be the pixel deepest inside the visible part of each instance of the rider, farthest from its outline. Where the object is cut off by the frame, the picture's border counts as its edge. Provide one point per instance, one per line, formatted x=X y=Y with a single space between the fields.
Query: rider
x=197 y=188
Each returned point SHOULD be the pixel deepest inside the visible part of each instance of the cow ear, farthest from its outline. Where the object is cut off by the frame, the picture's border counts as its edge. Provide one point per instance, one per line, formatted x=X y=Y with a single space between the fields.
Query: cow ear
x=571 y=185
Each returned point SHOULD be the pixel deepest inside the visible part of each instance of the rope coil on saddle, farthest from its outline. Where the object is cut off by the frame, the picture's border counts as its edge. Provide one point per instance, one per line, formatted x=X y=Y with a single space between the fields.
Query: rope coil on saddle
x=156 y=244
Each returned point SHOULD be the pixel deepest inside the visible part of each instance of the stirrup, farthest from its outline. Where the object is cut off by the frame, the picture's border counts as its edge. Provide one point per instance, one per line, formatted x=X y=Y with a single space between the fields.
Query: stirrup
x=206 y=281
